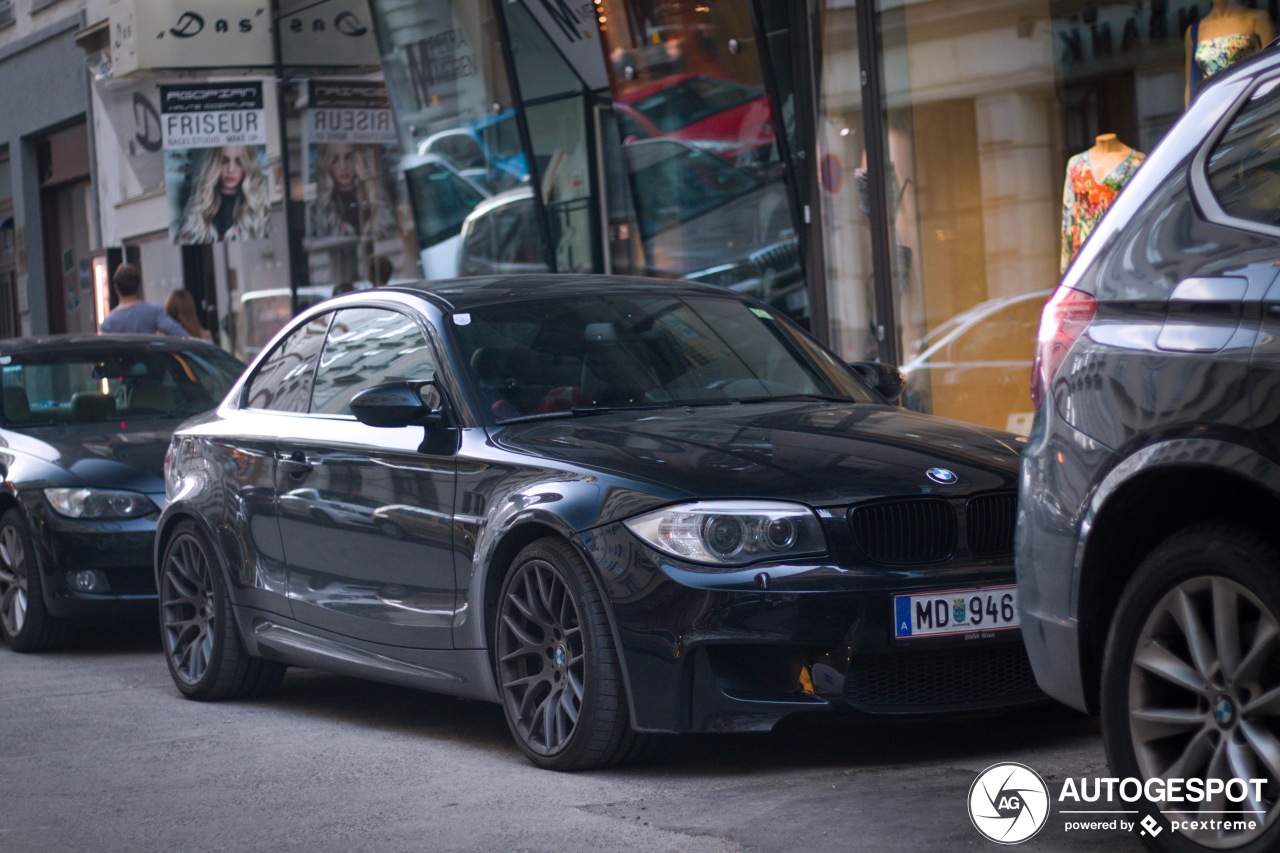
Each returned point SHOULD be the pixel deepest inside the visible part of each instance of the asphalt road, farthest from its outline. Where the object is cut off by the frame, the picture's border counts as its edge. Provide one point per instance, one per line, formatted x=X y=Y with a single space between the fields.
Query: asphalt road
x=99 y=753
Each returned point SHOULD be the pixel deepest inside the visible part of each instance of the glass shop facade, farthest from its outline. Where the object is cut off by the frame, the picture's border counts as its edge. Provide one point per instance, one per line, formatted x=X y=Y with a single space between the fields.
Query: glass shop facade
x=889 y=174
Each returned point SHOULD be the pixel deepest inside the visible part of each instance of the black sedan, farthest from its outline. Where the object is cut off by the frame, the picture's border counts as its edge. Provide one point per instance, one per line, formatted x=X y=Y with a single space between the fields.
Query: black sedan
x=84 y=427
x=615 y=506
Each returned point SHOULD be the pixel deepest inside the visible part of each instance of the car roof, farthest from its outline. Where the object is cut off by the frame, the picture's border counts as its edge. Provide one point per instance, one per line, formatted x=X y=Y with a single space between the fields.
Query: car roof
x=87 y=342
x=464 y=293
x=524 y=192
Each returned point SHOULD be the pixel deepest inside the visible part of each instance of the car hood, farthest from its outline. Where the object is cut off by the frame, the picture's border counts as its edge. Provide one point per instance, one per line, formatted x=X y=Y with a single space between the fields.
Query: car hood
x=127 y=455
x=821 y=454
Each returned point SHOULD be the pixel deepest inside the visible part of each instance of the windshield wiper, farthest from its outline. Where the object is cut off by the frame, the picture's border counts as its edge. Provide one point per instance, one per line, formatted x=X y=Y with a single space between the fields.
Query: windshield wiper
x=780 y=398
x=577 y=411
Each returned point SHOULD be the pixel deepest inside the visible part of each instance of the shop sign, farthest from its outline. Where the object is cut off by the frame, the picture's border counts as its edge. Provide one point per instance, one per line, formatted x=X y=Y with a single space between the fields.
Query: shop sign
x=571 y=26
x=1099 y=34
x=132 y=111
x=329 y=34
x=147 y=34
x=439 y=65
x=356 y=112
x=351 y=147
x=206 y=115
x=176 y=34
x=215 y=139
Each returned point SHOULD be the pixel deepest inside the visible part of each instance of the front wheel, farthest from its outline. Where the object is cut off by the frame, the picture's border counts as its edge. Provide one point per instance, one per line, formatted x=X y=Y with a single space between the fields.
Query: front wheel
x=25 y=622
x=202 y=647
x=557 y=664
x=1191 y=686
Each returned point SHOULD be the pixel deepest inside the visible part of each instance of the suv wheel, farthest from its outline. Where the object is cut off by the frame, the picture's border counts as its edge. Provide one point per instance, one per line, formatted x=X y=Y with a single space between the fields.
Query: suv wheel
x=557 y=666
x=1191 y=681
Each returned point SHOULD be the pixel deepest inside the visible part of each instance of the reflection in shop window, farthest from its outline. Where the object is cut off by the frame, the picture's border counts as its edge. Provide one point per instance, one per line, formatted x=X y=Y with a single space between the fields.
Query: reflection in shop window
x=444 y=68
x=710 y=202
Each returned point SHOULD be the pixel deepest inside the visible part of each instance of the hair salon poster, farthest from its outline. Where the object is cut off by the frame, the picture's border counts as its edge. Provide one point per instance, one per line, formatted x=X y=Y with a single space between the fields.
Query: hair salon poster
x=352 y=149
x=215 y=145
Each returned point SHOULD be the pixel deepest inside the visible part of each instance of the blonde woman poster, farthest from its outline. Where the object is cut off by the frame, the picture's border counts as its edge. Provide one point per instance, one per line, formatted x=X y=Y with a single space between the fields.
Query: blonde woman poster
x=226 y=195
x=354 y=196
x=215 y=162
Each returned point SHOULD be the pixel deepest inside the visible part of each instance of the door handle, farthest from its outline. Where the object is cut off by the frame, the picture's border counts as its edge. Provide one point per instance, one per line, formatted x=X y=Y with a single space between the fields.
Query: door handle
x=296 y=465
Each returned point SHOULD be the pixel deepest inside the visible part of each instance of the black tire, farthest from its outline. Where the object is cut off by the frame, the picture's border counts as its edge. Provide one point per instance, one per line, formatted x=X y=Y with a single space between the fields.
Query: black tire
x=557 y=666
x=1193 y=648
x=202 y=645
x=25 y=622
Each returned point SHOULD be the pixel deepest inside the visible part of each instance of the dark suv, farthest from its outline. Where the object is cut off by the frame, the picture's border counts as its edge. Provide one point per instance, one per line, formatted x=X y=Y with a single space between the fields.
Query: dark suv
x=1148 y=541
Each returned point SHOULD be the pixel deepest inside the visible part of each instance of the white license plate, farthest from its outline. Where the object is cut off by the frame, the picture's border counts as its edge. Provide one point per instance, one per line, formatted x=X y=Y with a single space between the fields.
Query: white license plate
x=955 y=611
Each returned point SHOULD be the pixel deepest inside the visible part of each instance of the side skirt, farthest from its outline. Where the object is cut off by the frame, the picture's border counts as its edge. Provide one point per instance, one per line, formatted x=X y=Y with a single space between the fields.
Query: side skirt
x=464 y=673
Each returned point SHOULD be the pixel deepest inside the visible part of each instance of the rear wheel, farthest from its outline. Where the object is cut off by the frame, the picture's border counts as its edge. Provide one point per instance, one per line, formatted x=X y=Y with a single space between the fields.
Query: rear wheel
x=202 y=646
x=1191 y=683
x=25 y=622
x=557 y=665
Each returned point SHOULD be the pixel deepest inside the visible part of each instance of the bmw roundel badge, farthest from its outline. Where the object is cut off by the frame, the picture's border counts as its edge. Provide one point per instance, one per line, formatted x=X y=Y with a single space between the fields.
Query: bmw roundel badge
x=942 y=476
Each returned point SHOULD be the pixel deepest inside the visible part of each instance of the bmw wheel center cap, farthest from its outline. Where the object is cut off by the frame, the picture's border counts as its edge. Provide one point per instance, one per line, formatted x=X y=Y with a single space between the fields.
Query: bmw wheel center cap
x=942 y=476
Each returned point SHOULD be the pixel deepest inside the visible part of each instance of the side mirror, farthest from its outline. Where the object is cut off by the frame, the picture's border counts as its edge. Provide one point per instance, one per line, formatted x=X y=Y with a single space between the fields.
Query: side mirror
x=887 y=379
x=398 y=404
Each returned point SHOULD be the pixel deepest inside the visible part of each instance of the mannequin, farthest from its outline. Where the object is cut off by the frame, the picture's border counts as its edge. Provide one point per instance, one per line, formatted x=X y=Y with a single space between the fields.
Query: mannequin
x=1094 y=179
x=1228 y=34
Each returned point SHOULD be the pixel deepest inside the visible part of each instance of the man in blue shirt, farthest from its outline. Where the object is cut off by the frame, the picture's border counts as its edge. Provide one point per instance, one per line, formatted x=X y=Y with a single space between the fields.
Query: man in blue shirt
x=131 y=314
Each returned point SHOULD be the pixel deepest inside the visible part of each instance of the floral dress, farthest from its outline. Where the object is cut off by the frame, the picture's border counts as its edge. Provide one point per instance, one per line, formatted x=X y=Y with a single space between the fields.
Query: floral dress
x=1213 y=55
x=1085 y=198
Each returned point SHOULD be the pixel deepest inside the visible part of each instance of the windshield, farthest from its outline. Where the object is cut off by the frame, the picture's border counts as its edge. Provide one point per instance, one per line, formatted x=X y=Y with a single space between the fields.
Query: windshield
x=692 y=101
x=538 y=358
x=674 y=183
x=50 y=388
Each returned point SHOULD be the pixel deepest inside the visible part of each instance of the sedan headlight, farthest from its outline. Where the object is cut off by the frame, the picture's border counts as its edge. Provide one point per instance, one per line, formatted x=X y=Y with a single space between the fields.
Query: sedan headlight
x=99 y=503
x=732 y=533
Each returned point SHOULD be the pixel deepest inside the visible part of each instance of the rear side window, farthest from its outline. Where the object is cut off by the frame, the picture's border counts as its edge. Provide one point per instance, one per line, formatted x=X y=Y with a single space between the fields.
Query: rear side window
x=282 y=383
x=1244 y=168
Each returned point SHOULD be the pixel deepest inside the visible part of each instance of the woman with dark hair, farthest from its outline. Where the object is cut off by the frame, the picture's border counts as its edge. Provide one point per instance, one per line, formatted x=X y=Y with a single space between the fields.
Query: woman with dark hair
x=228 y=198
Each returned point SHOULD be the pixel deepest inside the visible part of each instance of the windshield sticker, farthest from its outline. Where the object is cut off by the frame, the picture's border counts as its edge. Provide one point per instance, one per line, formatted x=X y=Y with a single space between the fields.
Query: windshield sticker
x=762 y=314
x=462 y=319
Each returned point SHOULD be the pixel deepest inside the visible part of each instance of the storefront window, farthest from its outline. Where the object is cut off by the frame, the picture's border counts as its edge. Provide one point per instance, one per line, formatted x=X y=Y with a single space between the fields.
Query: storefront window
x=853 y=327
x=1006 y=137
x=556 y=104
x=706 y=179
x=455 y=115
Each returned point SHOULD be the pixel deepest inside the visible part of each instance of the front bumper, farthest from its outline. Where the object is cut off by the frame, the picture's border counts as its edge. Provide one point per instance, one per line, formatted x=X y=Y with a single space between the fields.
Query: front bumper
x=735 y=651
x=120 y=553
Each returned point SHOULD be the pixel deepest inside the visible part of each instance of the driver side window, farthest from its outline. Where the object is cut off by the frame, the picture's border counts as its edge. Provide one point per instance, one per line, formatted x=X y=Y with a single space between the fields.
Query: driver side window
x=282 y=383
x=368 y=347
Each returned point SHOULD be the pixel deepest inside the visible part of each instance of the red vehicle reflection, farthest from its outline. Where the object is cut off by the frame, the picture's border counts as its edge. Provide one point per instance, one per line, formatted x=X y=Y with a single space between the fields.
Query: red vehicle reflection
x=723 y=116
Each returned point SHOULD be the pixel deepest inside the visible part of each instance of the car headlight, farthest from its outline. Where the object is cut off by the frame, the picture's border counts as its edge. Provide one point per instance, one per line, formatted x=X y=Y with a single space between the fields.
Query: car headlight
x=732 y=533
x=99 y=503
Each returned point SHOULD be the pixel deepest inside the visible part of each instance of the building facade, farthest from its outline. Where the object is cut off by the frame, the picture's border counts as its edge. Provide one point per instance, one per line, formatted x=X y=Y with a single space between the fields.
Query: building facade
x=905 y=178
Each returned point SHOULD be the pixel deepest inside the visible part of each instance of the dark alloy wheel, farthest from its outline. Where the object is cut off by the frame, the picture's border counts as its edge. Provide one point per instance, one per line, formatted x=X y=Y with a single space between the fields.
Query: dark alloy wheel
x=202 y=646
x=24 y=620
x=557 y=665
x=1191 y=684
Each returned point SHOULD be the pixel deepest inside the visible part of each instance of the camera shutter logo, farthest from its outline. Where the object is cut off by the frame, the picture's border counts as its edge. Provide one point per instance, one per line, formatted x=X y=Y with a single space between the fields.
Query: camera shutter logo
x=1009 y=803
